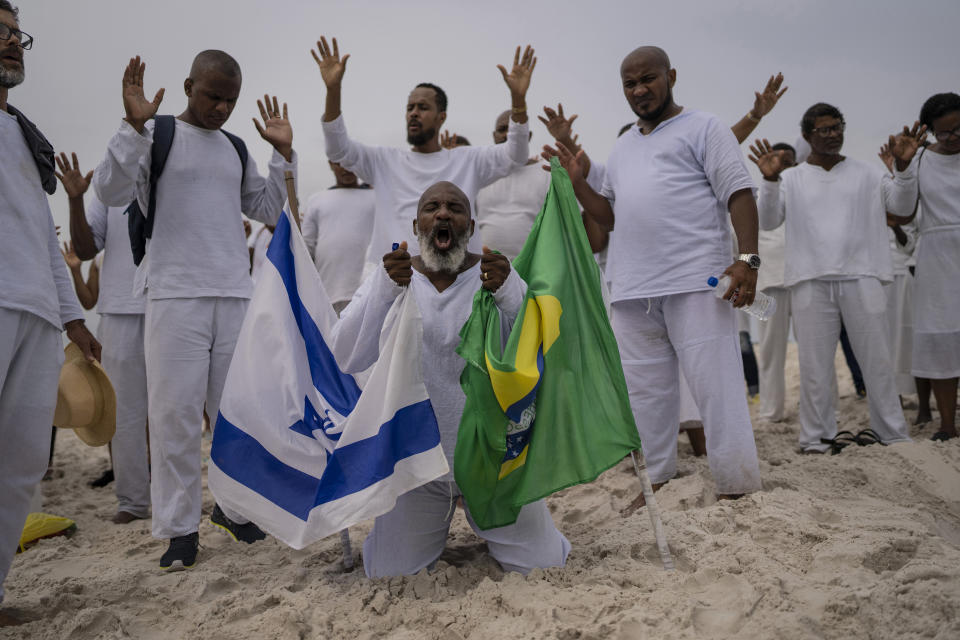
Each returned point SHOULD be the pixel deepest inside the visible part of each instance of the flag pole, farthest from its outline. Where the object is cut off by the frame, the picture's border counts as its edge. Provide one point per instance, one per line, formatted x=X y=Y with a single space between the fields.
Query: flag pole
x=292 y=197
x=347 y=550
x=640 y=468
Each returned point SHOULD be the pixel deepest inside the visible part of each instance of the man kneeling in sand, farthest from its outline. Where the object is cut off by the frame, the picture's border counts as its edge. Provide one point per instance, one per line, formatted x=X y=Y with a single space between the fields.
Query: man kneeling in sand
x=443 y=279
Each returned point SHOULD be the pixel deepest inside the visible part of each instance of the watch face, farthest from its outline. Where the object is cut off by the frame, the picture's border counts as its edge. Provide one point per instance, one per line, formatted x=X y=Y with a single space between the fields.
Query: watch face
x=754 y=261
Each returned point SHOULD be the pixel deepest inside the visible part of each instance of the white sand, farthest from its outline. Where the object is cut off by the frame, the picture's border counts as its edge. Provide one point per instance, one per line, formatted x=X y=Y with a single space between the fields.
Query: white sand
x=861 y=545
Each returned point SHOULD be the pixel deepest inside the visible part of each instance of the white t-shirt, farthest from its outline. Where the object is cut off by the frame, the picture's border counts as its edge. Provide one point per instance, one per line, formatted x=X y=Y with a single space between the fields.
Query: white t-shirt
x=835 y=220
x=400 y=176
x=109 y=226
x=669 y=192
x=507 y=208
x=198 y=247
x=337 y=225
x=33 y=275
x=356 y=337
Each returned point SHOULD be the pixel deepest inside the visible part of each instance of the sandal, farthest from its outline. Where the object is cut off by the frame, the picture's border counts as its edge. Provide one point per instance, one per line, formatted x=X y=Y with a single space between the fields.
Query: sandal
x=868 y=437
x=942 y=436
x=839 y=441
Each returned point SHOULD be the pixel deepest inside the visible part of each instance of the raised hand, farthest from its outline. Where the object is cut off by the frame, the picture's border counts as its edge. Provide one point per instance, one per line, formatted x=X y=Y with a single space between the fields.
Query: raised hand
x=494 y=269
x=276 y=129
x=770 y=161
x=398 y=265
x=74 y=182
x=557 y=125
x=886 y=157
x=138 y=109
x=764 y=102
x=570 y=161
x=448 y=140
x=519 y=77
x=332 y=67
x=70 y=257
x=904 y=145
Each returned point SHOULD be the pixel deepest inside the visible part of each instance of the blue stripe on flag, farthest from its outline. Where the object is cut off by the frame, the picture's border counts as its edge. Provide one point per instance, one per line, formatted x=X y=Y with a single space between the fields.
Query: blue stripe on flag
x=339 y=389
x=351 y=468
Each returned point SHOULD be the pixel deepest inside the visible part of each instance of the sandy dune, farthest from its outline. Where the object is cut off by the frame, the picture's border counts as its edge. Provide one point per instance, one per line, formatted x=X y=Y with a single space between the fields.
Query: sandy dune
x=865 y=544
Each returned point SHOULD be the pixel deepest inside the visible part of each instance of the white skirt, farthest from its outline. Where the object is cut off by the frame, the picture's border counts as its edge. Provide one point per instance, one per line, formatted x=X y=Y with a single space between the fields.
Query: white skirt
x=936 y=305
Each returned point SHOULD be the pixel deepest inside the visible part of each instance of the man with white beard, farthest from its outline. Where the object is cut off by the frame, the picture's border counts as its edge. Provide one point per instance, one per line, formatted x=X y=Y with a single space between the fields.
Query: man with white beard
x=37 y=302
x=443 y=279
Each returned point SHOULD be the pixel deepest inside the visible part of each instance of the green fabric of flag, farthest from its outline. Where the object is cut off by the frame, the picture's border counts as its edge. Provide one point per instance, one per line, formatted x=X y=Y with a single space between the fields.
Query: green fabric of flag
x=550 y=409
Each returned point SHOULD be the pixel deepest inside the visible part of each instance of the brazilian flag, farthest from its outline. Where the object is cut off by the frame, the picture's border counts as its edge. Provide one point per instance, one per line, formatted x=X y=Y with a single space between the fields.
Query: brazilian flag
x=549 y=410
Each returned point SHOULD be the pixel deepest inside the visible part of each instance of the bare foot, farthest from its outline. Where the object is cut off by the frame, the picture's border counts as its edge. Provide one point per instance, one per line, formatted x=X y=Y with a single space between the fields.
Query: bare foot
x=923 y=418
x=11 y=617
x=124 y=517
x=730 y=496
x=638 y=502
x=698 y=441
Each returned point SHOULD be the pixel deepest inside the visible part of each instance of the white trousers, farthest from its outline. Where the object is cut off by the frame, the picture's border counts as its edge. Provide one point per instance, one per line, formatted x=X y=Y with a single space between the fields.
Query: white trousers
x=772 y=356
x=414 y=533
x=189 y=343
x=31 y=352
x=122 y=338
x=698 y=332
x=817 y=307
x=900 y=327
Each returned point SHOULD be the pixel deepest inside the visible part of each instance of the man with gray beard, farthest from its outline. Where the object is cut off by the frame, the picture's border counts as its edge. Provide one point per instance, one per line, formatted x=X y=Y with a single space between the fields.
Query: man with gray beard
x=443 y=279
x=37 y=302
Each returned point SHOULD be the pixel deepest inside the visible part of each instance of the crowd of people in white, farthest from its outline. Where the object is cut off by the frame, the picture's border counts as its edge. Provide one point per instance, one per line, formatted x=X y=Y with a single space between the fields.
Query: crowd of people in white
x=838 y=242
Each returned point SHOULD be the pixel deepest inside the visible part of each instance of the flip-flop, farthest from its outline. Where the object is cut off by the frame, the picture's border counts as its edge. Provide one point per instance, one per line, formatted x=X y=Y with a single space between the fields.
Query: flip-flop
x=942 y=436
x=839 y=441
x=868 y=437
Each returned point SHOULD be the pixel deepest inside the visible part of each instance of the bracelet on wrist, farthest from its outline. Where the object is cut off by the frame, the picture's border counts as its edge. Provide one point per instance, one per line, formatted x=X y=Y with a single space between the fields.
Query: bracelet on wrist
x=752 y=118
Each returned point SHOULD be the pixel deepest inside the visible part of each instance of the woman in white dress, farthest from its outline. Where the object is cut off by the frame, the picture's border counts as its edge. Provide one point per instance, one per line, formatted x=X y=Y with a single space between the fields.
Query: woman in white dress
x=936 y=324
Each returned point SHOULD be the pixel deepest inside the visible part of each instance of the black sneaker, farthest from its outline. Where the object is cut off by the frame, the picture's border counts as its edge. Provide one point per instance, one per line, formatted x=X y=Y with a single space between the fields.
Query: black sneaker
x=105 y=478
x=182 y=552
x=248 y=532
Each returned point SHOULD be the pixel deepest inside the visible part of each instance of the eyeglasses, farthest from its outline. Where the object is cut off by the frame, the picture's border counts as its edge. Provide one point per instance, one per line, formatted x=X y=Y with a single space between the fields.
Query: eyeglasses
x=826 y=131
x=6 y=32
x=943 y=136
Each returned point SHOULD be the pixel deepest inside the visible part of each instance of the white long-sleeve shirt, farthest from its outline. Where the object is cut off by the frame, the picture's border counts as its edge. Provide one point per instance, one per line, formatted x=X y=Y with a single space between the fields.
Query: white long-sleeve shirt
x=835 y=221
x=356 y=336
x=400 y=176
x=33 y=275
x=110 y=235
x=198 y=247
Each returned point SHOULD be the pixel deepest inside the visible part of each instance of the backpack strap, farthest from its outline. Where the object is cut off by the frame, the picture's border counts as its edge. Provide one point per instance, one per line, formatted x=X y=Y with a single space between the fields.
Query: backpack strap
x=241 y=148
x=163 y=130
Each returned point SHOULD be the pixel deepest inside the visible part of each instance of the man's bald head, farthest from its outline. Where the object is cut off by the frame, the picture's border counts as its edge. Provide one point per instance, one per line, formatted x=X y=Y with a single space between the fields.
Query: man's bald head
x=501 y=127
x=214 y=60
x=444 y=192
x=650 y=55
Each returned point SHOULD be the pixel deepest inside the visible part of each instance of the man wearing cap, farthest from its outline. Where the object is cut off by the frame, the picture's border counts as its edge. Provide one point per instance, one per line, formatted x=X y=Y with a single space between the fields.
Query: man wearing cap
x=37 y=302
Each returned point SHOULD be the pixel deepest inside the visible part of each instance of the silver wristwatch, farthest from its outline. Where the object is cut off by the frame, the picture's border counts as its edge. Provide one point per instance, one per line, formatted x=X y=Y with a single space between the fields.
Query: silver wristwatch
x=752 y=260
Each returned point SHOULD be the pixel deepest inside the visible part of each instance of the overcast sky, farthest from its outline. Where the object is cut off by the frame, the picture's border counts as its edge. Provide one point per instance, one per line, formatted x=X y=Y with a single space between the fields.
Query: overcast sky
x=877 y=60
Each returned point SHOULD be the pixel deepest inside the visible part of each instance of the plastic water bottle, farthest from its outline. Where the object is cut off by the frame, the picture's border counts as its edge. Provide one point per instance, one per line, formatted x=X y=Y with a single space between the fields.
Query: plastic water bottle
x=763 y=306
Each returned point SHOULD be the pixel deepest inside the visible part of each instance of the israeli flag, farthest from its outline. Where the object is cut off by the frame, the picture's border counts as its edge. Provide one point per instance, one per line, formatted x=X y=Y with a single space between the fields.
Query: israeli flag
x=298 y=448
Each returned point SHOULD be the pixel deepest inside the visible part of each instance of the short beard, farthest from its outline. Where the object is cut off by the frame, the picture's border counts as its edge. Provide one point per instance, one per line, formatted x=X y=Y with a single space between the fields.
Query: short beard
x=10 y=78
x=663 y=106
x=421 y=138
x=448 y=261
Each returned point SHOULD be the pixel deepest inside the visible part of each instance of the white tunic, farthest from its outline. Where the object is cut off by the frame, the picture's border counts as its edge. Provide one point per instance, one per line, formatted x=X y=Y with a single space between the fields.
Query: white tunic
x=669 y=191
x=337 y=224
x=34 y=276
x=109 y=226
x=198 y=248
x=835 y=220
x=400 y=176
x=507 y=208
x=356 y=337
x=936 y=311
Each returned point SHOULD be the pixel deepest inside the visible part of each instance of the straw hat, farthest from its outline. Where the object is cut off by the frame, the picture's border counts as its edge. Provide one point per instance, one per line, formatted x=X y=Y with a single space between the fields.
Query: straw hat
x=86 y=401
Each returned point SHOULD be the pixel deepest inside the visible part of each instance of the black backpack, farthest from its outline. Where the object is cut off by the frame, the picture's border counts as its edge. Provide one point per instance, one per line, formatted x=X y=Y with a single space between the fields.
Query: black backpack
x=140 y=227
